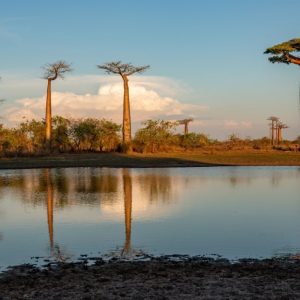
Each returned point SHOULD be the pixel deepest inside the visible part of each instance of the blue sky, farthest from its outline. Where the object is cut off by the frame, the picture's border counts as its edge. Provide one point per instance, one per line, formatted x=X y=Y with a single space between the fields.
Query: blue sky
x=211 y=51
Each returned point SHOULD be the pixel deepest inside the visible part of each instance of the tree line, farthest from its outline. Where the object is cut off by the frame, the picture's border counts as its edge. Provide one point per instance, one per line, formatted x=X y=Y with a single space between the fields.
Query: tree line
x=101 y=135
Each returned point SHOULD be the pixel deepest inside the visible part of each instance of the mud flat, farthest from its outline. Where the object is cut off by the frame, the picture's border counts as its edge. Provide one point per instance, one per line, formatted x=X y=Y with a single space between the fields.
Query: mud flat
x=157 y=278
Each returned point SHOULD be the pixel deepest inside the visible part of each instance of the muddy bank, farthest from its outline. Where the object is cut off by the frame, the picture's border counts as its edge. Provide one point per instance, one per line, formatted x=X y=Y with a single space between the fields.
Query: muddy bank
x=156 y=279
x=156 y=160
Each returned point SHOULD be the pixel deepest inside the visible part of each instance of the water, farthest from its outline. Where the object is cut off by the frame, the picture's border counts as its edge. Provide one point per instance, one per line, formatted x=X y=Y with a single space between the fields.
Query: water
x=231 y=211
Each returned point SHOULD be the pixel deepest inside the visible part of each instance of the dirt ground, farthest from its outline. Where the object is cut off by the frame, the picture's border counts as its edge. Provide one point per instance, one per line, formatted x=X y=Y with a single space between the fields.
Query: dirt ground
x=156 y=279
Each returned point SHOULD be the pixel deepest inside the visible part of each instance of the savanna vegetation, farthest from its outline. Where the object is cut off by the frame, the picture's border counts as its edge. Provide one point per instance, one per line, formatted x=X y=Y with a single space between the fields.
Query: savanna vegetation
x=101 y=135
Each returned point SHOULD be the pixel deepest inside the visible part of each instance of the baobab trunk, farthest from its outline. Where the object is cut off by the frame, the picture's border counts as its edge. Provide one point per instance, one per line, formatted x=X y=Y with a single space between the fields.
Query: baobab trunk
x=126 y=117
x=48 y=115
x=186 y=130
x=272 y=129
x=279 y=135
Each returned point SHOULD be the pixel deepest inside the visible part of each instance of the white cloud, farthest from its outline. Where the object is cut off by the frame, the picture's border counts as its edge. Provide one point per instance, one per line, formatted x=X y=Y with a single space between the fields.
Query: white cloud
x=149 y=99
x=231 y=124
x=237 y=124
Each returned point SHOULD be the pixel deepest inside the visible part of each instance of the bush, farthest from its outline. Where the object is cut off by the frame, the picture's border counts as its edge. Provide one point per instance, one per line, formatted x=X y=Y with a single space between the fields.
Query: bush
x=194 y=140
x=156 y=135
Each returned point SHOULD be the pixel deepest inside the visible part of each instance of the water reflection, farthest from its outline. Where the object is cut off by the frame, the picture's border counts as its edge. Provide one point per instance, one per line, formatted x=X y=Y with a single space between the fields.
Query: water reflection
x=55 y=250
x=127 y=190
x=175 y=210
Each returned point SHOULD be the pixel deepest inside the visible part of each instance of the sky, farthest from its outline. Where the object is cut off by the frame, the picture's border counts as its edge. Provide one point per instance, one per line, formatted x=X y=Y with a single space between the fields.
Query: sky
x=206 y=61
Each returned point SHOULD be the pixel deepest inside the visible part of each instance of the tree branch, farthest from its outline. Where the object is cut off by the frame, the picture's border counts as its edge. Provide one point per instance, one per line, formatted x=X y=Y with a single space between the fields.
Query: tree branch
x=56 y=70
x=122 y=69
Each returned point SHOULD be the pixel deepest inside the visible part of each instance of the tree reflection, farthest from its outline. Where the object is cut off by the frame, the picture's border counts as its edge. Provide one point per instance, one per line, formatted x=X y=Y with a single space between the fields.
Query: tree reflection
x=127 y=190
x=156 y=187
x=55 y=250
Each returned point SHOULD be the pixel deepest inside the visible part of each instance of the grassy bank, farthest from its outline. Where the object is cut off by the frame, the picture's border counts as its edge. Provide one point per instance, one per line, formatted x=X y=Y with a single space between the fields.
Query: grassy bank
x=183 y=159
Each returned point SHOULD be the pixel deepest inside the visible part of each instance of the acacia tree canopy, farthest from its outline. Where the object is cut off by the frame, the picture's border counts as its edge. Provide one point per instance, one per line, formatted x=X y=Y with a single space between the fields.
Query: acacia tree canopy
x=281 y=53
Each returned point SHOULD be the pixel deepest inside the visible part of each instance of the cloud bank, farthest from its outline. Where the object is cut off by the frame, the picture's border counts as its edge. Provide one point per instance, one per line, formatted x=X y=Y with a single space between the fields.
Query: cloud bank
x=149 y=99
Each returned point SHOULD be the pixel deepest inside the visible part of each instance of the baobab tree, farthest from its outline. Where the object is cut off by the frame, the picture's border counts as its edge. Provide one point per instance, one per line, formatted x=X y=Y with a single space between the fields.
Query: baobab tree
x=185 y=122
x=280 y=126
x=124 y=70
x=273 y=127
x=52 y=72
x=281 y=53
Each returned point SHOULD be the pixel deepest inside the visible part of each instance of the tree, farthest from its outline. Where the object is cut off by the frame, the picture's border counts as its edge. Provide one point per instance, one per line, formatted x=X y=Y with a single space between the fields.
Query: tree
x=280 y=126
x=273 y=128
x=95 y=135
x=185 y=122
x=124 y=70
x=281 y=53
x=52 y=72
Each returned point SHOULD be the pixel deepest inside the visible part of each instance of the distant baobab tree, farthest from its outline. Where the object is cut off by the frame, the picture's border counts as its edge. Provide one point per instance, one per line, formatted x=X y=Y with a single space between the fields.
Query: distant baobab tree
x=185 y=122
x=273 y=127
x=280 y=126
x=124 y=70
x=281 y=53
x=52 y=72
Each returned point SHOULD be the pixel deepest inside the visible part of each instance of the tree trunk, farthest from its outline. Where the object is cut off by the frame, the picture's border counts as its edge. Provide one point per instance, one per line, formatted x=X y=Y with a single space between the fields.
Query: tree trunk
x=127 y=188
x=273 y=133
x=48 y=117
x=279 y=135
x=126 y=117
x=186 y=130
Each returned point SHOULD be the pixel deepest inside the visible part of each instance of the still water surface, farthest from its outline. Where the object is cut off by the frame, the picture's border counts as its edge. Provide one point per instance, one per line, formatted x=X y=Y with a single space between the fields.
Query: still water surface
x=231 y=211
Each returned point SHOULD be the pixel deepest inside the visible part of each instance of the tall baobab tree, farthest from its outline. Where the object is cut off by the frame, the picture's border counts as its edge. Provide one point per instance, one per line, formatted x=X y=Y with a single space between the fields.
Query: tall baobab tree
x=185 y=122
x=280 y=126
x=273 y=127
x=124 y=70
x=52 y=72
x=281 y=53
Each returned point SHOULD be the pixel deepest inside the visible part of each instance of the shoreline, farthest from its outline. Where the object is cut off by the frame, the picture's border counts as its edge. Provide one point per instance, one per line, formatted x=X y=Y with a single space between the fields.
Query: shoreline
x=157 y=278
x=158 y=160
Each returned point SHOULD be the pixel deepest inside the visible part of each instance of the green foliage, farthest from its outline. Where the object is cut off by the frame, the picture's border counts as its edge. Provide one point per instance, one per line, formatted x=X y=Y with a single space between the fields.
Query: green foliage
x=279 y=51
x=68 y=135
x=289 y=46
x=95 y=135
x=154 y=135
x=61 y=133
x=194 y=140
x=35 y=133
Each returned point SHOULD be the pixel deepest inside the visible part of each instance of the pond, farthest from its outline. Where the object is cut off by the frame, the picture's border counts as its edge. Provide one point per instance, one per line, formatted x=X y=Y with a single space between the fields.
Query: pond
x=235 y=212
